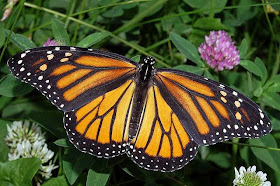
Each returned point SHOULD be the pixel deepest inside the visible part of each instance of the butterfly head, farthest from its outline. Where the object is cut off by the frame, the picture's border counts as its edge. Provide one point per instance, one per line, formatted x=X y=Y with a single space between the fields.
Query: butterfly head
x=147 y=60
x=147 y=66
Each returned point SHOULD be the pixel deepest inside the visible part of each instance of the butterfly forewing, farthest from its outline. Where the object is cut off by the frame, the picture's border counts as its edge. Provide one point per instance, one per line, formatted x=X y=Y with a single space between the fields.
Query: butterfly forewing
x=211 y=112
x=162 y=143
x=70 y=77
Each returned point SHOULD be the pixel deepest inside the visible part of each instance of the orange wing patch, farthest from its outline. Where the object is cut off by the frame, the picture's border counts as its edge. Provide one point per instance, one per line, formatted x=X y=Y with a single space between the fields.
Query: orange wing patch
x=165 y=149
x=125 y=104
x=86 y=121
x=38 y=62
x=162 y=143
x=85 y=109
x=103 y=123
x=184 y=98
x=245 y=114
x=188 y=83
x=72 y=78
x=210 y=113
x=220 y=108
x=160 y=134
x=183 y=136
x=62 y=69
x=98 y=115
x=93 y=81
x=104 y=133
x=95 y=61
x=93 y=130
x=155 y=141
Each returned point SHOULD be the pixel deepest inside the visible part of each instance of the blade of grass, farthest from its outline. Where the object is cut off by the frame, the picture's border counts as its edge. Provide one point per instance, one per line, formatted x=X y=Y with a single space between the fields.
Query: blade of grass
x=139 y=17
x=72 y=6
x=106 y=6
x=13 y=26
x=249 y=145
x=80 y=17
x=132 y=45
x=276 y=65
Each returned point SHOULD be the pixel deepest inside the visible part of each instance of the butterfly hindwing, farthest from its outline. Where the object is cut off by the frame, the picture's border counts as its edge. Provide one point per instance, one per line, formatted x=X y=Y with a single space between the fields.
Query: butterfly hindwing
x=101 y=126
x=211 y=112
x=161 y=142
x=70 y=76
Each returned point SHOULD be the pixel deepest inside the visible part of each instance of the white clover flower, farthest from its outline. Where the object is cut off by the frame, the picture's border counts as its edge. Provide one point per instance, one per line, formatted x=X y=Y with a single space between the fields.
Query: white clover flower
x=20 y=131
x=250 y=177
x=25 y=141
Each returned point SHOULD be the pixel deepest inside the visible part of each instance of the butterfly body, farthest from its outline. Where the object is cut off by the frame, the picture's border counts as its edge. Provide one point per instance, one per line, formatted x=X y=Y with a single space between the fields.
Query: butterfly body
x=113 y=105
x=142 y=79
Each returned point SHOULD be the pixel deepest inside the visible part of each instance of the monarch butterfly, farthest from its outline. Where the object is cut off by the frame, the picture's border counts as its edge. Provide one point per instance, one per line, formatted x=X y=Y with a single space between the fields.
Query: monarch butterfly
x=113 y=105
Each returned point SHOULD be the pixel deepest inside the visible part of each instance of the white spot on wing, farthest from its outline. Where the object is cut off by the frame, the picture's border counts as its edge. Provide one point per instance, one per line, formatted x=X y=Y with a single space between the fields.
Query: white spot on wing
x=40 y=77
x=23 y=55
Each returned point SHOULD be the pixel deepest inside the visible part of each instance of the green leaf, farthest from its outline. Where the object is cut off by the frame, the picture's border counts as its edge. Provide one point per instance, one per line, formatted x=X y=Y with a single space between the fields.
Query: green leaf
x=186 y=48
x=93 y=39
x=12 y=87
x=113 y=12
x=96 y=178
x=245 y=154
x=275 y=121
x=262 y=68
x=58 y=181
x=74 y=162
x=17 y=109
x=4 y=68
x=274 y=88
x=249 y=84
x=245 y=11
x=19 y=172
x=251 y=67
x=82 y=179
x=269 y=157
x=190 y=68
x=273 y=80
x=136 y=58
x=115 y=161
x=4 y=149
x=51 y=121
x=20 y=41
x=209 y=24
x=99 y=175
x=59 y=32
x=272 y=99
x=207 y=74
x=2 y=35
x=63 y=143
x=206 y=4
x=148 y=177
x=243 y=48
x=55 y=4
x=131 y=169
x=4 y=101
x=145 y=10
x=221 y=159
x=258 y=91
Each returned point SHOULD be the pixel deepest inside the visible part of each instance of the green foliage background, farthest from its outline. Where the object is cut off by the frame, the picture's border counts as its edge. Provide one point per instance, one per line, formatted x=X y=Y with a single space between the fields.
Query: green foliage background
x=170 y=31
